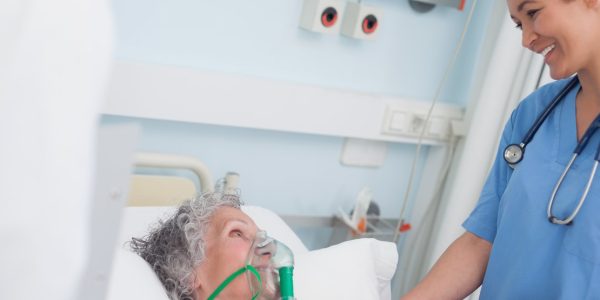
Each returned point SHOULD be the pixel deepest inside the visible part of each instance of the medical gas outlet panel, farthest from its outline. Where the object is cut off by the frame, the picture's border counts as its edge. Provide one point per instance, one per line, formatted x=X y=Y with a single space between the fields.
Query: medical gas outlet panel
x=443 y=123
x=322 y=16
x=351 y=19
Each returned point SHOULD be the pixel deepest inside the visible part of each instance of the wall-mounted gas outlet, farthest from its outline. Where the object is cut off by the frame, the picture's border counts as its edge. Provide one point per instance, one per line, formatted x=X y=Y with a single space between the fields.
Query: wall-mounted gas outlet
x=361 y=21
x=322 y=16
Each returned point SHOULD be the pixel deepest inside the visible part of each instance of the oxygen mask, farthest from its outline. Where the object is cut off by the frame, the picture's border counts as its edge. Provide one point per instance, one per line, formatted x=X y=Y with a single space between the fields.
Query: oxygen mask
x=269 y=270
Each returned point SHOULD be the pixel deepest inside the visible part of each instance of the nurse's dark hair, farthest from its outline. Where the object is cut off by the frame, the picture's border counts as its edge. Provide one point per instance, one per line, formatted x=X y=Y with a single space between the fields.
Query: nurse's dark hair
x=175 y=247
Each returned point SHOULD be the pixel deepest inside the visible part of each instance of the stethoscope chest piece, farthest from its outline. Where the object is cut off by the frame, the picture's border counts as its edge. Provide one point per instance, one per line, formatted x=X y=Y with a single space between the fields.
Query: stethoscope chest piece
x=513 y=154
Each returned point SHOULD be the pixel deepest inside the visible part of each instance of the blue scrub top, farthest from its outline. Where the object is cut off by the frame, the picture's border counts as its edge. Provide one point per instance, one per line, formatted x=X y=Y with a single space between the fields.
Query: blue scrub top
x=532 y=258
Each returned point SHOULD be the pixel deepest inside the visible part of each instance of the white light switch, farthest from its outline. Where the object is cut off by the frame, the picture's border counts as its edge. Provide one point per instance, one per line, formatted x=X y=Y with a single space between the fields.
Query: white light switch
x=411 y=121
x=438 y=127
x=400 y=121
x=363 y=153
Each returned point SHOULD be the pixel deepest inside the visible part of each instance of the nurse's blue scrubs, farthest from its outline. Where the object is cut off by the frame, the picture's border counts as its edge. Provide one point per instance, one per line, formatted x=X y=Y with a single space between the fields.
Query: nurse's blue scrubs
x=532 y=258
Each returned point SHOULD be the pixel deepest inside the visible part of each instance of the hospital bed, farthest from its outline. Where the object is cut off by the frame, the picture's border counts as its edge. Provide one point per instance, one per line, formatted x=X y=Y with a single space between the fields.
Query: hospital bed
x=358 y=269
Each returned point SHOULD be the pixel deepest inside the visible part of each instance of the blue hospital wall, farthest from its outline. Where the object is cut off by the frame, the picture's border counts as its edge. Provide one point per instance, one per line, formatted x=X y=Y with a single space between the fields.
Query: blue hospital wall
x=288 y=172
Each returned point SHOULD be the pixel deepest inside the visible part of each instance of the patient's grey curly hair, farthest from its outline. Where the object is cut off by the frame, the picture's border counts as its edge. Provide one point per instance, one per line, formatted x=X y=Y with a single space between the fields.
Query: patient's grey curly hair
x=176 y=246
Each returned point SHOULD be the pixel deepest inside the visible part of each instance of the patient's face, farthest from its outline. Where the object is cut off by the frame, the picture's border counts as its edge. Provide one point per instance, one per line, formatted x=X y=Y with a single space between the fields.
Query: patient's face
x=228 y=241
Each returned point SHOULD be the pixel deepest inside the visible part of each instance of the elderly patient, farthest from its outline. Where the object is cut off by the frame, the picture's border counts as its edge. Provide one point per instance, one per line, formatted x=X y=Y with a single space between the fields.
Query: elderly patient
x=210 y=248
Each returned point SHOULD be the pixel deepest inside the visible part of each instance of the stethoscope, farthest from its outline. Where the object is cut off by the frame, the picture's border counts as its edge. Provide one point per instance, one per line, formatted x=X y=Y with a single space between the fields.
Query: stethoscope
x=513 y=153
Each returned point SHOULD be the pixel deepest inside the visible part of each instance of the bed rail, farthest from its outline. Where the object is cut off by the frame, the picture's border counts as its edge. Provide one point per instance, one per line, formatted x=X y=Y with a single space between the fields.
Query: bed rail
x=159 y=160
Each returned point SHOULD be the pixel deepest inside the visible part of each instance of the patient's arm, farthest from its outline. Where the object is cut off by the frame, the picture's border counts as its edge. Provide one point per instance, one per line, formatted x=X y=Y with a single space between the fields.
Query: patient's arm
x=457 y=273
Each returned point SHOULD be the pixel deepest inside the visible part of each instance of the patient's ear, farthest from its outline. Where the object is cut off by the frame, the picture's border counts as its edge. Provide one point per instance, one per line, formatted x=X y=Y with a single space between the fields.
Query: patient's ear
x=198 y=287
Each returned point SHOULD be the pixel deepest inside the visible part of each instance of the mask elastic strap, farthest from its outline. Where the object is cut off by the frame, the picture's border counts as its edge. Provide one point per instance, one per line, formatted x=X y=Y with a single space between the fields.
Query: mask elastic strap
x=257 y=275
x=231 y=277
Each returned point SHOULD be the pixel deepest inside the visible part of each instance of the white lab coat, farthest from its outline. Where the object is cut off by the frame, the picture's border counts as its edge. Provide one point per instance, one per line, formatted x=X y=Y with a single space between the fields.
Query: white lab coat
x=54 y=62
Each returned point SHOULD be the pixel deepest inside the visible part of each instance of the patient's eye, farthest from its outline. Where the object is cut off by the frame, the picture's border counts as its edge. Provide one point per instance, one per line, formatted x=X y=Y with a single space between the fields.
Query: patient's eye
x=236 y=233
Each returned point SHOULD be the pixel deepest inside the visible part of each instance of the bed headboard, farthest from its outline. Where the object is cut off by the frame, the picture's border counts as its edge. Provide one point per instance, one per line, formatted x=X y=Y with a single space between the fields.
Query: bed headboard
x=170 y=190
x=157 y=190
x=161 y=190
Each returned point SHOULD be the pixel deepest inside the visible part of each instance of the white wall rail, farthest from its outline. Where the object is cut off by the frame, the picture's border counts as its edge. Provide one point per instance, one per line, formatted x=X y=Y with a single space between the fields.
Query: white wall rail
x=191 y=95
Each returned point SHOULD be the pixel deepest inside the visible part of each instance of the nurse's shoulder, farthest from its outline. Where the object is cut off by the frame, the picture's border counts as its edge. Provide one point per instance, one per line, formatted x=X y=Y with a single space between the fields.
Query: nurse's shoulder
x=534 y=104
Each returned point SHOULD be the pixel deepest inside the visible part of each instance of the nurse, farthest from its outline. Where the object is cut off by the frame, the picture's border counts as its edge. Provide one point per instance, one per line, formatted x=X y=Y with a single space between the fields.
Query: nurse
x=511 y=247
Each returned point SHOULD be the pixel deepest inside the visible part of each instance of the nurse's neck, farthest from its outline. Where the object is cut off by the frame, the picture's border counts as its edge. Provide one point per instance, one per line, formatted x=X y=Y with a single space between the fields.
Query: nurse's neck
x=588 y=102
x=590 y=84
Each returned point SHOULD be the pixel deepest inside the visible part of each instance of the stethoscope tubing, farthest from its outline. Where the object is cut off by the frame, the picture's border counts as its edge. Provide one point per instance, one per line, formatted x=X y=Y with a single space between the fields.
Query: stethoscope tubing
x=542 y=118
x=580 y=146
x=514 y=153
x=588 y=185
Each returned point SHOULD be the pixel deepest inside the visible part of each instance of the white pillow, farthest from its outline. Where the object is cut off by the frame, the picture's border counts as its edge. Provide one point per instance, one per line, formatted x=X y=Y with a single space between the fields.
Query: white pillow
x=136 y=221
x=353 y=270
x=275 y=227
x=133 y=278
